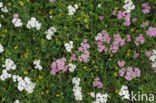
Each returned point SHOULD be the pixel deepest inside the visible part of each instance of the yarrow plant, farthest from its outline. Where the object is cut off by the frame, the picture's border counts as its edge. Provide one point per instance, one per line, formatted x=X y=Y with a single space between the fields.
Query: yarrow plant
x=77 y=89
x=16 y=21
x=153 y=59
x=124 y=92
x=72 y=10
x=37 y=64
x=33 y=23
x=97 y=83
x=69 y=46
x=50 y=32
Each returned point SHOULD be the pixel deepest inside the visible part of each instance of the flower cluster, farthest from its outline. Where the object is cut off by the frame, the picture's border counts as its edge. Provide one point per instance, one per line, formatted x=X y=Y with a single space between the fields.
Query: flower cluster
x=147 y=8
x=1 y=48
x=24 y=84
x=121 y=63
x=129 y=73
x=71 y=67
x=128 y=6
x=50 y=32
x=58 y=65
x=121 y=14
x=124 y=92
x=100 y=38
x=77 y=88
x=127 y=20
x=33 y=23
x=72 y=10
x=139 y=40
x=73 y=58
x=151 y=32
x=3 y=9
x=100 y=98
x=84 y=57
x=52 y=1
x=118 y=41
x=136 y=54
x=17 y=101
x=128 y=38
x=37 y=64
x=97 y=83
x=69 y=46
x=144 y=24
x=153 y=59
x=16 y=21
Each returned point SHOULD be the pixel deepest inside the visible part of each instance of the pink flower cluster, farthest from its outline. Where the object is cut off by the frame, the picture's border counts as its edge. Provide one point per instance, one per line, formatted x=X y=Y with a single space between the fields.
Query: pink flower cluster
x=73 y=58
x=52 y=1
x=58 y=65
x=103 y=37
x=139 y=40
x=121 y=63
x=127 y=20
x=135 y=55
x=121 y=14
x=118 y=41
x=134 y=20
x=147 y=8
x=151 y=32
x=97 y=83
x=129 y=74
x=101 y=17
x=84 y=57
x=144 y=24
x=128 y=38
x=148 y=53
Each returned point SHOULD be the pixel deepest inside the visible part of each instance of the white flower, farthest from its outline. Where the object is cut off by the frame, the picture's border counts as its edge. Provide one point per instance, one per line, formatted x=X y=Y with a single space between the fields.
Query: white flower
x=71 y=9
x=124 y=92
x=2 y=16
x=17 y=22
x=4 y=9
x=50 y=32
x=92 y=94
x=77 y=89
x=33 y=23
x=0 y=25
x=128 y=6
x=100 y=98
x=17 y=101
x=69 y=46
x=9 y=64
x=99 y=5
x=1 y=4
x=37 y=64
x=1 y=47
x=71 y=67
x=98 y=36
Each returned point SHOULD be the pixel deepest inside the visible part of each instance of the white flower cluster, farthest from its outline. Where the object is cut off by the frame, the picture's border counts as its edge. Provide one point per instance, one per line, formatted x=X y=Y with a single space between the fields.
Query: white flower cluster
x=71 y=67
x=9 y=65
x=98 y=36
x=17 y=22
x=33 y=23
x=100 y=98
x=128 y=6
x=50 y=32
x=69 y=46
x=72 y=10
x=24 y=84
x=124 y=92
x=37 y=64
x=77 y=89
x=153 y=59
x=17 y=101
x=1 y=48
x=3 y=9
x=0 y=25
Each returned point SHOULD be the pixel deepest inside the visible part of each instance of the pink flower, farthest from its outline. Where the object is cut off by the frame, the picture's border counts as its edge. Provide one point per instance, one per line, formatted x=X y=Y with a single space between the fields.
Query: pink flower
x=128 y=38
x=15 y=15
x=151 y=32
x=147 y=8
x=97 y=83
x=127 y=20
x=139 y=40
x=52 y=1
x=148 y=53
x=134 y=20
x=144 y=24
x=121 y=63
x=101 y=17
x=135 y=55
